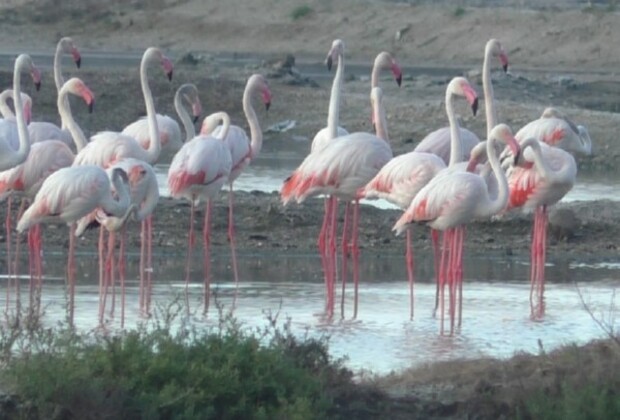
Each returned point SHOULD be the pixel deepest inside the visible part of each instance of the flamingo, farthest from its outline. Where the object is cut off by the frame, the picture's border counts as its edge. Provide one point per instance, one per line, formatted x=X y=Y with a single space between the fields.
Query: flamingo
x=170 y=135
x=555 y=129
x=242 y=149
x=144 y=196
x=10 y=157
x=438 y=142
x=69 y=194
x=43 y=130
x=107 y=147
x=197 y=172
x=448 y=202
x=545 y=175
x=8 y=114
x=404 y=176
x=44 y=158
x=341 y=169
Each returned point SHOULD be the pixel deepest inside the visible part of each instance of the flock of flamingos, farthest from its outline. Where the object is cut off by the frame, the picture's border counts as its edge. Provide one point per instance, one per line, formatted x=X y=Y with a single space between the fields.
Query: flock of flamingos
x=449 y=179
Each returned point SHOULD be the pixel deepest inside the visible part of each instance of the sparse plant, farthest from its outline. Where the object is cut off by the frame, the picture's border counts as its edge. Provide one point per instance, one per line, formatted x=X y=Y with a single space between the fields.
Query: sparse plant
x=301 y=12
x=459 y=11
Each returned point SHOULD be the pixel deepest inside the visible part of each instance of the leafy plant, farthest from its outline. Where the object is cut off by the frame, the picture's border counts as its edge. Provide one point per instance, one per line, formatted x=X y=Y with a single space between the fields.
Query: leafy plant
x=301 y=12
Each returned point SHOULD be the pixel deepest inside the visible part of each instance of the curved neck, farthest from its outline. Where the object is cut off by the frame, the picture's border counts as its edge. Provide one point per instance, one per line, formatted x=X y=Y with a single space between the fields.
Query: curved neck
x=497 y=205
x=154 y=145
x=256 y=135
x=374 y=75
x=456 y=148
x=333 y=113
x=150 y=202
x=380 y=122
x=487 y=87
x=58 y=79
x=66 y=116
x=22 y=128
x=225 y=120
x=541 y=165
x=113 y=207
x=188 y=125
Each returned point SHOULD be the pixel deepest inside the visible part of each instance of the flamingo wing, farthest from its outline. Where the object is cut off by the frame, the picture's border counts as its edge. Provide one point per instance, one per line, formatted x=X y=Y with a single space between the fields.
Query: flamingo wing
x=438 y=143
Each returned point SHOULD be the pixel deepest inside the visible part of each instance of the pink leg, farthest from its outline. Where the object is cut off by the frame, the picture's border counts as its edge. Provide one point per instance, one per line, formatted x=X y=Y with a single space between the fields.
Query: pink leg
x=207 y=257
x=452 y=276
x=9 y=263
x=345 y=255
x=111 y=267
x=322 y=240
x=331 y=255
x=106 y=275
x=436 y=257
x=149 y=263
x=121 y=273
x=102 y=273
x=355 y=251
x=31 y=264
x=71 y=273
x=231 y=235
x=410 y=271
x=142 y=287
x=443 y=274
x=18 y=293
x=459 y=273
x=190 y=245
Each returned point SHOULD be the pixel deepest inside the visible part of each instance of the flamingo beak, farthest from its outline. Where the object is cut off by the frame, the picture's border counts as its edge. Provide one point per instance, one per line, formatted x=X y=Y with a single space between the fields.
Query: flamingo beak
x=474 y=106
x=267 y=98
x=91 y=106
x=267 y=106
x=503 y=58
x=195 y=118
x=515 y=148
x=76 y=57
x=329 y=63
x=169 y=75
x=398 y=74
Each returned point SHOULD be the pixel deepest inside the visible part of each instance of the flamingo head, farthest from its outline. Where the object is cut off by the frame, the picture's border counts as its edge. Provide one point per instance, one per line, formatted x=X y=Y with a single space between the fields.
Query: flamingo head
x=167 y=65
x=136 y=174
x=503 y=133
x=461 y=86
x=385 y=60
x=477 y=155
x=257 y=83
x=398 y=74
x=495 y=49
x=79 y=88
x=36 y=77
x=68 y=47
x=336 y=51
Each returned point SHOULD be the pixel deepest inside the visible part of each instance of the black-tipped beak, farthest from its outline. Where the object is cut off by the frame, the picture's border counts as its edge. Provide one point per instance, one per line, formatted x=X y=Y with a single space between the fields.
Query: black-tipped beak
x=267 y=106
x=195 y=118
x=170 y=76
x=474 y=106
x=37 y=86
x=399 y=80
x=516 y=158
x=329 y=63
x=505 y=67
x=78 y=62
x=91 y=107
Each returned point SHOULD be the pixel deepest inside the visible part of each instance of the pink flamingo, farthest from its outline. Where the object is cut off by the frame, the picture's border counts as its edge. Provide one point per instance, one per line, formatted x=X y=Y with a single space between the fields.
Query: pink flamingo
x=438 y=142
x=69 y=194
x=107 y=147
x=197 y=172
x=404 y=176
x=10 y=157
x=242 y=149
x=170 y=135
x=447 y=203
x=144 y=196
x=43 y=130
x=44 y=158
x=341 y=169
x=542 y=178
x=555 y=129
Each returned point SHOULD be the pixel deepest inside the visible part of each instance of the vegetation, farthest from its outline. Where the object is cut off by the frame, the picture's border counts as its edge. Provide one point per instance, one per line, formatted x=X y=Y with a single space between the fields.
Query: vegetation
x=301 y=12
x=459 y=11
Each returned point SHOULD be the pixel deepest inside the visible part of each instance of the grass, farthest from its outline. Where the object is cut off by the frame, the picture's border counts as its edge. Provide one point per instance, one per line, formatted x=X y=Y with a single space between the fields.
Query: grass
x=302 y=11
x=459 y=11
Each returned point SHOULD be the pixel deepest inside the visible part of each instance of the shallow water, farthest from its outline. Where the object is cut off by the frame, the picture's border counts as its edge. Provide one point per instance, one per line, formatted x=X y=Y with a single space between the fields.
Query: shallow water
x=495 y=316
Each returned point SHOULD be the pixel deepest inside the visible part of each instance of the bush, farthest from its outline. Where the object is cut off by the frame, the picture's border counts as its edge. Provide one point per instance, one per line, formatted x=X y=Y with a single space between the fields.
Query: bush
x=155 y=373
x=301 y=11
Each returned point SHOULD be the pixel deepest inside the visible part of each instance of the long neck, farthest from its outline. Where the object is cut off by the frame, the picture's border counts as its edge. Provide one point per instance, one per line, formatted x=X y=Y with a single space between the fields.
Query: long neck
x=22 y=128
x=256 y=135
x=487 y=87
x=499 y=203
x=112 y=206
x=66 y=116
x=58 y=79
x=541 y=165
x=334 y=100
x=456 y=148
x=381 y=122
x=374 y=75
x=188 y=125
x=149 y=204
x=154 y=145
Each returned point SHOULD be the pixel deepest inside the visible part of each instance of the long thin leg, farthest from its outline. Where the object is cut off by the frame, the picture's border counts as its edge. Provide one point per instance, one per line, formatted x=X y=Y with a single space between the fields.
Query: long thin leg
x=149 y=263
x=9 y=263
x=459 y=272
x=231 y=235
x=71 y=273
x=436 y=257
x=121 y=272
x=345 y=255
x=207 y=257
x=410 y=271
x=111 y=268
x=18 y=293
x=443 y=268
x=322 y=239
x=102 y=273
x=355 y=251
x=190 y=245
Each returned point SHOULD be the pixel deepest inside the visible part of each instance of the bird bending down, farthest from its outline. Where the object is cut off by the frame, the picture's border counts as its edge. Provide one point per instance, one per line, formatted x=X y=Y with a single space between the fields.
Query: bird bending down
x=540 y=179
x=341 y=169
x=69 y=194
x=447 y=203
x=242 y=149
x=197 y=172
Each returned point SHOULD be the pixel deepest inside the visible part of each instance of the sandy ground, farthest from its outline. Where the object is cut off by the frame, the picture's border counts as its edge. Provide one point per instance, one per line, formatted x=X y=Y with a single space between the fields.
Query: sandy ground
x=561 y=53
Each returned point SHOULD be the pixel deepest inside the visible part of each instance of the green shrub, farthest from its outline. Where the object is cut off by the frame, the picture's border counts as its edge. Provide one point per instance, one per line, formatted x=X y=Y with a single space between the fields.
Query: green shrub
x=154 y=373
x=301 y=11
